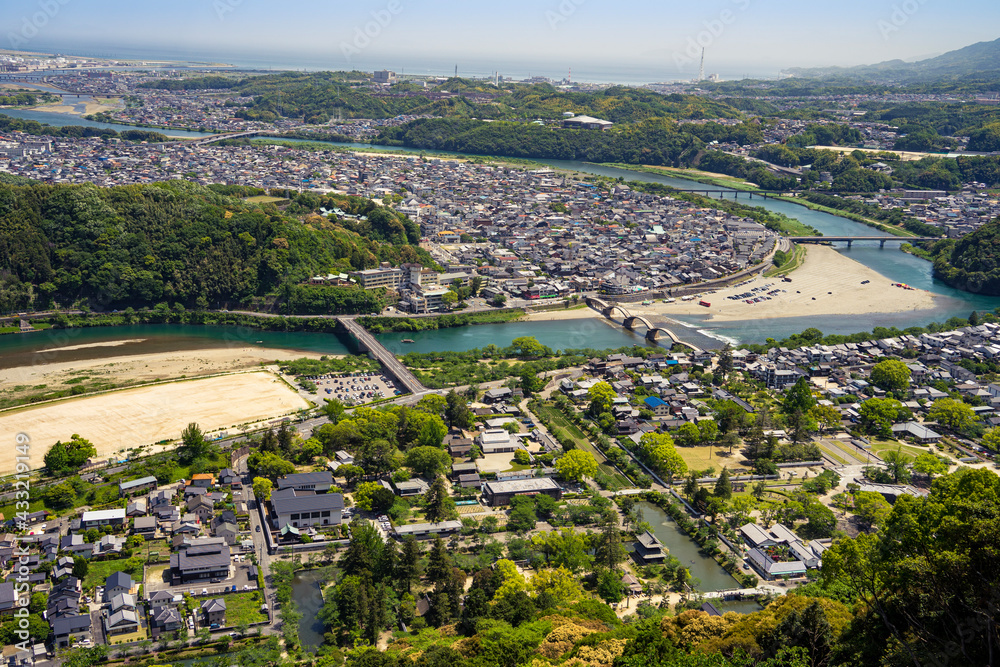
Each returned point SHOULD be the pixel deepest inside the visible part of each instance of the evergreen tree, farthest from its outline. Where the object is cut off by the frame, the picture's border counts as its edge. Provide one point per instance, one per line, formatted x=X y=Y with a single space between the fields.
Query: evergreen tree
x=438 y=501
x=409 y=561
x=723 y=487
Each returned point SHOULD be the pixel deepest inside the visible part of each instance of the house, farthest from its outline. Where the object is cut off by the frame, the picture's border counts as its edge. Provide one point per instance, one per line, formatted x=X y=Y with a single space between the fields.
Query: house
x=101 y=518
x=201 y=507
x=8 y=598
x=497 y=441
x=137 y=507
x=72 y=628
x=165 y=618
x=460 y=447
x=470 y=481
x=75 y=544
x=121 y=622
x=136 y=486
x=771 y=569
x=755 y=536
x=203 y=480
x=497 y=395
x=421 y=530
x=657 y=406
x=116 y=584
x=301 y=509
x=411 y=487
x=202 y=560
x=123 y=601
x=214 y=611
x=459 y=469
x=918 y=432
x=145 y=526
x=500 y=493
x=227 y=477
x=319 y=482
x=648 y=549
x=227 y=531
x=109 y=544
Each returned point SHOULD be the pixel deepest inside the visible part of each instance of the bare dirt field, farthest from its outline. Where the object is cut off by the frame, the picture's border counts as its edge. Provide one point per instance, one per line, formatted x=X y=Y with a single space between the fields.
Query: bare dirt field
x=121 y=420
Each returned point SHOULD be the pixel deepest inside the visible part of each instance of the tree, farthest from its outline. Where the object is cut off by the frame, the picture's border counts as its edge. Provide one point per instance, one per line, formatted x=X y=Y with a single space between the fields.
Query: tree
x=991 y=439
x=709 y=430
x=723 y=487
x=429 y=461
x=407 y=567
x=610 y=586
x=602 y=397
x=531 y=383
x=877 y=415
x=725 y=365
x=449 y=298
x=576 y=464
x=350 y=472
x=660 y=452
x=871 y=508
x=826 y=416
x=59 y=496
x=896 y=463
x=522 y=515
x=608 y=549
x=438 y=502
x=688 y=435
x=457 y=412
x=930 y=464
x=262 y=488
x=528 y=347
x=798 y=398
x=193 y=444
x=269 y=464
x=374 y=497
x=956 y=415
x=891 y=375
x=559 y=583
x=66 y=457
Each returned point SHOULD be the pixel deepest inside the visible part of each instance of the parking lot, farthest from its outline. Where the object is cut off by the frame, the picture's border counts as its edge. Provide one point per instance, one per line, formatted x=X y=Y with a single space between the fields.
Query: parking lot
x=352 y=388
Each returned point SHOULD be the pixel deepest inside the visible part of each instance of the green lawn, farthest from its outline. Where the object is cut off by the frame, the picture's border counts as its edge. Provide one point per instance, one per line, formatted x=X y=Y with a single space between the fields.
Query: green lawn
x=243 y=608
x=98 y=571
x=881 y=446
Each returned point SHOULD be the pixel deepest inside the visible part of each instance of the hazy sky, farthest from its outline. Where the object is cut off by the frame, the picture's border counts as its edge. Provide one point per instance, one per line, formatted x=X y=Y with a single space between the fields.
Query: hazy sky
x=741 y=36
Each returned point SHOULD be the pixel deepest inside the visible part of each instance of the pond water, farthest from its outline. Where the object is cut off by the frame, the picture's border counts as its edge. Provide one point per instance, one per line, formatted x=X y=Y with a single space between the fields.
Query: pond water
x=713 y=577
x=307 y=592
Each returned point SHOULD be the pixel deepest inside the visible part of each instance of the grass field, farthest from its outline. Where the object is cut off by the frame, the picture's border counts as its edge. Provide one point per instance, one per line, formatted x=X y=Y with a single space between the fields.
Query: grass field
x=700 y=458
x=99 y=571
x=160 y=547
x=880 y=447
x=121 y=420
x=264 y=199
x=798 y=257
x=559 y=420
x=243 y=608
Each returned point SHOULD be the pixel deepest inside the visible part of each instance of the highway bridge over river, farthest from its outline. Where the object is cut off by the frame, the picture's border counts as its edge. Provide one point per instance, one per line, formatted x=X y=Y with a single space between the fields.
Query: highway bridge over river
x=882 y=240
x=389 y=362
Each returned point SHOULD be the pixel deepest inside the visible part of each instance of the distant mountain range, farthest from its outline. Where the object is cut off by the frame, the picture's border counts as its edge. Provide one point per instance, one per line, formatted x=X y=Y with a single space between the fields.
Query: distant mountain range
x=976 y=62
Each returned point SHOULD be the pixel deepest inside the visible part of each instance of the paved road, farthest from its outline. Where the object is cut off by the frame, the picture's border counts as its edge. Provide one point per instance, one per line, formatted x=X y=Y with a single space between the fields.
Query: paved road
x=389 y=362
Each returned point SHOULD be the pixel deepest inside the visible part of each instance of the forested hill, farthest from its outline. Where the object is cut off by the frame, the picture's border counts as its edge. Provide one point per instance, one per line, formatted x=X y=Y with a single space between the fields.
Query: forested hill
x=317 y=96
x=971 y=264
x=182 y=243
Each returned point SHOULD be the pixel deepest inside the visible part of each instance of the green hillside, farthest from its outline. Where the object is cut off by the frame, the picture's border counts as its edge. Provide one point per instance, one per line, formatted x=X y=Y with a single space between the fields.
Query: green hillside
x=182 y=243
x=972 y=263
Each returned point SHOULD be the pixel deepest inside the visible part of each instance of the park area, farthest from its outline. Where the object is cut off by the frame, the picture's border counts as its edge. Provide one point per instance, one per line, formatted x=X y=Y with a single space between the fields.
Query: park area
x=559 y=421
x=119 y=421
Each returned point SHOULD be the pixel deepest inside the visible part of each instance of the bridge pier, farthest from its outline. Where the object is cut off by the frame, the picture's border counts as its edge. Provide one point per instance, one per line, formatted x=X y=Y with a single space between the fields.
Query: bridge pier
x=881 y=244
x=849 y=242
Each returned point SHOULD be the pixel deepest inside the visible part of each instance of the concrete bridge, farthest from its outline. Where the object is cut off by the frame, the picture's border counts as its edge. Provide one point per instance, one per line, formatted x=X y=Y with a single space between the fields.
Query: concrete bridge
x=222 y=137
x=851 y=239
x=631 y=322
x=377 y=351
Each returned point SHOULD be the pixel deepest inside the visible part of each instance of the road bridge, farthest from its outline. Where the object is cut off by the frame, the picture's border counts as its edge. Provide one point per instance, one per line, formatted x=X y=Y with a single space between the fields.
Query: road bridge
x=223 y=137
x=851 y=239
x=377 y=351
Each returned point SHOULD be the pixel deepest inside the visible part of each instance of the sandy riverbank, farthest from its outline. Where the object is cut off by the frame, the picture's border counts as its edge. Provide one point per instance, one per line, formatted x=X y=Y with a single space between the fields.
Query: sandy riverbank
x=557 y=315
x=89 y=108
x=827 y=283
x=134 y=369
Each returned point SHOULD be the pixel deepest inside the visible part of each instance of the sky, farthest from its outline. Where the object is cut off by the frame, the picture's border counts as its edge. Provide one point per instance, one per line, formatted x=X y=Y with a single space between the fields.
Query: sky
x=646 y=40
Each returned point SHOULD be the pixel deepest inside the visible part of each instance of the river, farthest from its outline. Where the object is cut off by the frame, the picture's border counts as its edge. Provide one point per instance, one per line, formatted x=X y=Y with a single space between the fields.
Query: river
x=889 y=261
